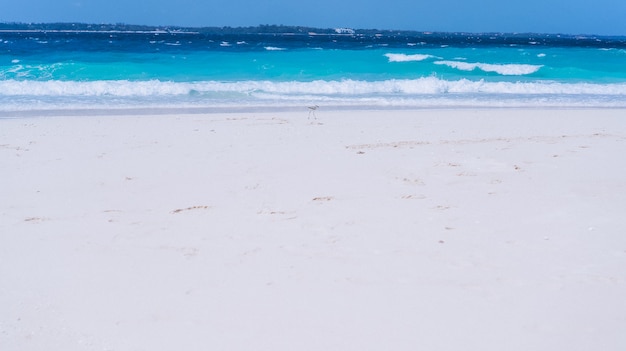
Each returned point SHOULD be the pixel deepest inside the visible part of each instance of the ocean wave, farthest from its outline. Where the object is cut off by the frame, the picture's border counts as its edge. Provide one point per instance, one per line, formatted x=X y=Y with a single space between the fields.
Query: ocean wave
x=20 y=71
x=407 y=58
x=416 y=93
x=427 y=85
x=93 y=88
x=274 y=48
x=503 y=69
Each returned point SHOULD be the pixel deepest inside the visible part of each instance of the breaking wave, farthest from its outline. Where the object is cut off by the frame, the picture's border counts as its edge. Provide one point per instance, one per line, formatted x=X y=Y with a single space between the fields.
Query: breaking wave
x=407 y=58
x=428 y=85
x=503 y=69
x=54 y=94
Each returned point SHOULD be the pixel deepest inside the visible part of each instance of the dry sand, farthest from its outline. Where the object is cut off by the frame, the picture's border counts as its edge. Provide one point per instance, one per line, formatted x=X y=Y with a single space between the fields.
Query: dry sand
x=501 y=229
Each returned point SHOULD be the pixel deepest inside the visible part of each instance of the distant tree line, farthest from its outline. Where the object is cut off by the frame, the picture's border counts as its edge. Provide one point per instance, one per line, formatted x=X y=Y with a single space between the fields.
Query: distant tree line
x=261 y=29
x=432 y=38
x=265 y=28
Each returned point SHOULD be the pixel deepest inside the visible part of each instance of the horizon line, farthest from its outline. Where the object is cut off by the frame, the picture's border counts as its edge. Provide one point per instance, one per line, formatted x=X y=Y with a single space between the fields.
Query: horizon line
x=355 y=29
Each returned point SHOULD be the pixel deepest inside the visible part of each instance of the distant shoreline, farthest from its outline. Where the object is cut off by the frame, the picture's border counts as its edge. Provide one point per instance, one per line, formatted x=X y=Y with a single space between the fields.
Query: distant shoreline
x=71 y=27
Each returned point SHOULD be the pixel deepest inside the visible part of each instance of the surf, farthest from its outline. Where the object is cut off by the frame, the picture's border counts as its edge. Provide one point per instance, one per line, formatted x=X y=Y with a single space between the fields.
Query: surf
x=407 y=57
x=503 y=69
x=421 y=92
x=85 y=65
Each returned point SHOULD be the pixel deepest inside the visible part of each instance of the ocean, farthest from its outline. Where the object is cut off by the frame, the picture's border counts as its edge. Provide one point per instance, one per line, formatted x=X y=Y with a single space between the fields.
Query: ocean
x=69 y=66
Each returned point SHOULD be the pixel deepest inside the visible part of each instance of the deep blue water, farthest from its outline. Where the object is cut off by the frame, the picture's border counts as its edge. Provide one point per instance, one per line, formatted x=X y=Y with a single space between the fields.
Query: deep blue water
x=48 y=69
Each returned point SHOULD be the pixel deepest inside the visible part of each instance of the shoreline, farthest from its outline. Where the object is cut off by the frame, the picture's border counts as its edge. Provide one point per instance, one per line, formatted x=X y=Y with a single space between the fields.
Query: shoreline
x=164 y=111
x=447 y=229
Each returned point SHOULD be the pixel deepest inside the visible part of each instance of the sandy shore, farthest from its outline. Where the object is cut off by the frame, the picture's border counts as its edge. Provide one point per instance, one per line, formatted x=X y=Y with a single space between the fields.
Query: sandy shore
x=362 y=230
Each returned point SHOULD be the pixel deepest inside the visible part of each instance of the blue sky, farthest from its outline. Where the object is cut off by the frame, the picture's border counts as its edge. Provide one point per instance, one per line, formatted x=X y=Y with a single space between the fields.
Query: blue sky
x=547 y=16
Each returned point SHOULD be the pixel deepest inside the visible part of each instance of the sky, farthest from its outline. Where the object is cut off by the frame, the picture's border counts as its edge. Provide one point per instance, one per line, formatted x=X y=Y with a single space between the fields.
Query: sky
x=602 y=17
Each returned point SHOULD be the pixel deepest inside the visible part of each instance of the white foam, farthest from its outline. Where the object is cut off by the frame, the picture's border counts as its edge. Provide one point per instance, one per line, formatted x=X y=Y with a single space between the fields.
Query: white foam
x=16 y=95
x=273 y=48
x=427 y=85
x=94 y=88
x=29 y=71
x=407 y=58
x=503 y=69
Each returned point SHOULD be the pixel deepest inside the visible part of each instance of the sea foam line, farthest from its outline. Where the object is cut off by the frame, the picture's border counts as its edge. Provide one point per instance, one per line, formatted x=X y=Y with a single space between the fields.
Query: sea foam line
x=503 y=69
x=407 y=58
x=427 y=85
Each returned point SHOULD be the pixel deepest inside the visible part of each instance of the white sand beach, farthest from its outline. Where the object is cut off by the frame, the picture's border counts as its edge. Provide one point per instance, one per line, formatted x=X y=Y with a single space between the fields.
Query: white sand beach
x=460 y=229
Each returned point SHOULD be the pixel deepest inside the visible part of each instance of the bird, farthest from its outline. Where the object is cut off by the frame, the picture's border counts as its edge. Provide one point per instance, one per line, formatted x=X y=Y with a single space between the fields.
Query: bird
x=312 y=111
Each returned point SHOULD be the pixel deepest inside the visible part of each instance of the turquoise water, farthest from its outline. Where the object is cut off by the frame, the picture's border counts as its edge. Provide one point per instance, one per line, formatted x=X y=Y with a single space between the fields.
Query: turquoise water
x=117 y=69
